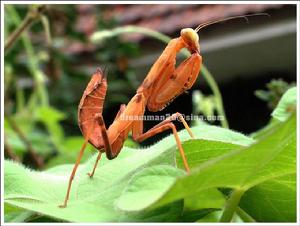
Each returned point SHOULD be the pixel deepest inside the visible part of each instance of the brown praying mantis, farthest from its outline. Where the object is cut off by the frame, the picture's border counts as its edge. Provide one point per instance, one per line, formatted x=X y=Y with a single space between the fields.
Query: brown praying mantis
x=162 y=85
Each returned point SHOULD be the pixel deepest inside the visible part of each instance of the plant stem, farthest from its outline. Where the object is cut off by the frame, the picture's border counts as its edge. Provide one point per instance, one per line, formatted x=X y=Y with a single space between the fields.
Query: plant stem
x=99 y=36
x=231 y=205
x=39 y=162
x=31 y=16
x=244 y=216
x=15 y=35
x=33 y=65
x=216 y=91
x=8 y=150
x=46 y=26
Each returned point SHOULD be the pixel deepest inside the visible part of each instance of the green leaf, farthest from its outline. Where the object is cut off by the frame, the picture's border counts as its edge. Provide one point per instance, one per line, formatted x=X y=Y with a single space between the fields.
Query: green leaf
x=195 y=215
x=214 y=217
x=265 y=130
x=204 y=104
x=205 y=150
x=286 y=105
x=210 y=198
x=197 y=151
x=211 y=217
x=273 y=200
x=40 y=141
x=129 y=142
x=51 y=118
x=15 y=214
x=275 y=89
x=270 y=158
x=93 y=200
x=141 y=192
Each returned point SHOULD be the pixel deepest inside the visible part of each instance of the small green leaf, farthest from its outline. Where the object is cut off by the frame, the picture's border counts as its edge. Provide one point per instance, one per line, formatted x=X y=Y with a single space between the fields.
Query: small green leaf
x=287 y=105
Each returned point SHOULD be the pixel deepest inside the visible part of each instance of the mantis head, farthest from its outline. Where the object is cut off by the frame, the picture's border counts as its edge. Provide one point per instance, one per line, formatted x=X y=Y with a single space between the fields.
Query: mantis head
x=191 y=39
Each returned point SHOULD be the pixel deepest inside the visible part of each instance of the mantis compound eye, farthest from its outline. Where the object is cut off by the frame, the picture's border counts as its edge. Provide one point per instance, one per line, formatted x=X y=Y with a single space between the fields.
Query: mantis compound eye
x=191 y=38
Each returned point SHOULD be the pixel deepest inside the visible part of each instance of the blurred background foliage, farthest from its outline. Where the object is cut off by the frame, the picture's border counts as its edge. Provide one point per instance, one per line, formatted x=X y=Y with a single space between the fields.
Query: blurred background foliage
x=44 y=82
x=49 y=66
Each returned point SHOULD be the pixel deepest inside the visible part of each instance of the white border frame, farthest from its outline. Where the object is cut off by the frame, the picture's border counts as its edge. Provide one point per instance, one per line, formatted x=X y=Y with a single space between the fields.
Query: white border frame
x=141 y=2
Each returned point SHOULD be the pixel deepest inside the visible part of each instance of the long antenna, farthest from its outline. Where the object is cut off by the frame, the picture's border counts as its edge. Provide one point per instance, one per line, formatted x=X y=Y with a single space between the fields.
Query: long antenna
x=230 y=18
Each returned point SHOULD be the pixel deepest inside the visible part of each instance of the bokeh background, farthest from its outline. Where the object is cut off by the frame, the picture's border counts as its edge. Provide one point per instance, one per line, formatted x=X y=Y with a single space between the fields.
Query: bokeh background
x=49 y=66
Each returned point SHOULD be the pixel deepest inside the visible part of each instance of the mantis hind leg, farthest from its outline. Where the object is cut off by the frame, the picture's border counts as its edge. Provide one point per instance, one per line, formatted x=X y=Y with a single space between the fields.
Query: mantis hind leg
x=179 y=116
x=91 y=174
x=122 y=108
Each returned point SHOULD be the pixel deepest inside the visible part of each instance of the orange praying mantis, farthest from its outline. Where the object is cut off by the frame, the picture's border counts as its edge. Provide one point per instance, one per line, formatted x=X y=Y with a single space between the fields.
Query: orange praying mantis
x=162 y=85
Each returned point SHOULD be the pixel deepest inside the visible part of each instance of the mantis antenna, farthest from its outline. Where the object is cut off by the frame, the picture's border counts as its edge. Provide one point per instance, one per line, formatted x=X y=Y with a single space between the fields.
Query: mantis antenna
x=229 y=18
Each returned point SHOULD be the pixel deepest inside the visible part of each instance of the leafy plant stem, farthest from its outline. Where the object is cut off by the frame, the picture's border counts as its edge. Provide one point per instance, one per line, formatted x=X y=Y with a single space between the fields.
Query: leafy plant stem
x=149 y=32
x=231 y=205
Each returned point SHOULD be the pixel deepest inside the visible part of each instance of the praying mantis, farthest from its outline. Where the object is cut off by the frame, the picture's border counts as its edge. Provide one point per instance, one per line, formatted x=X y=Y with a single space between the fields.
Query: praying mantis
x=162 y=85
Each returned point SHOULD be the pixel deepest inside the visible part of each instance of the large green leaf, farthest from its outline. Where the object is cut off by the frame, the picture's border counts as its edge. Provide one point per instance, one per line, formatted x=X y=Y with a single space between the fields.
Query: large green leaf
x=94 y=200
x=161 y=178
x=196 y=153
x=272 y=157
x=273 y=200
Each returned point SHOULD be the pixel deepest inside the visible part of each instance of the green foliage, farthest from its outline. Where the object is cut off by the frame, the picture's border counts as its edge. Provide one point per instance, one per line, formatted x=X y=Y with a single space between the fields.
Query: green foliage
x=51 y=117
x=243 y=168
x=273 y=200
x=275 y=89
x=43 y=85
x=204 y=104
x=146 y=185
x=110 y=178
